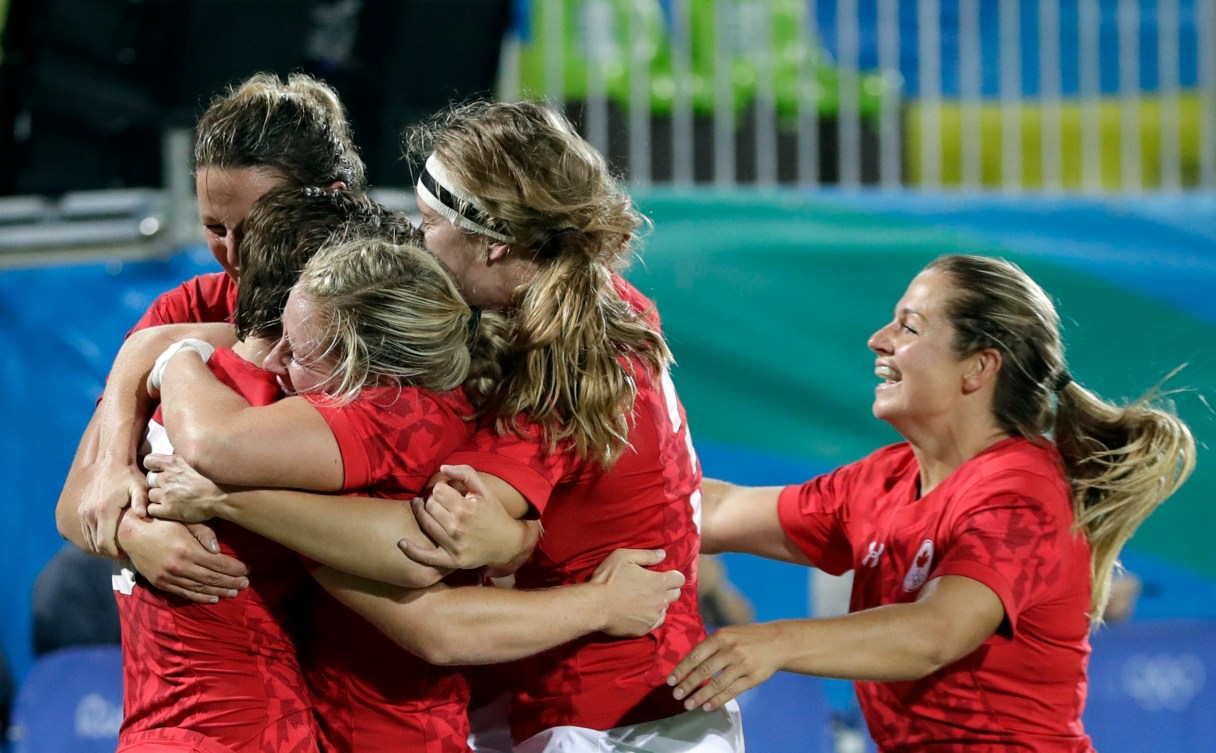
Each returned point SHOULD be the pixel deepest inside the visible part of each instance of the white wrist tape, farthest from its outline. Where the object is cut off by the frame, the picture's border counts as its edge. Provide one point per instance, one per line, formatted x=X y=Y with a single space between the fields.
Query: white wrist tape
x=202 y=347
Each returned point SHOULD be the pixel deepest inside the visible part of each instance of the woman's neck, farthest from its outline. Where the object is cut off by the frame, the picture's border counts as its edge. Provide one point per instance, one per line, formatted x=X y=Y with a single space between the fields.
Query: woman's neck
x=940 y=454
x=254 y=349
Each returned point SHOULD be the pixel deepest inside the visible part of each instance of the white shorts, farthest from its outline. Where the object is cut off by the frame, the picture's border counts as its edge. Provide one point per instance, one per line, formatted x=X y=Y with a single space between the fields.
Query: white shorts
x=490 y=726
x=694 y=731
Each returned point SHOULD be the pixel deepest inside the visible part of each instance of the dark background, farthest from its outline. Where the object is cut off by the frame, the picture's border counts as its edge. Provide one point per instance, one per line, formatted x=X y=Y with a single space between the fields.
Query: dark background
x=87 y=87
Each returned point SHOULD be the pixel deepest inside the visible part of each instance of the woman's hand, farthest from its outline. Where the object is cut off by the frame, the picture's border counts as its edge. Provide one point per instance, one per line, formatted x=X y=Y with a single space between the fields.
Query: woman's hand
x=637 y=598
x=724 y=665
x=182 y=560
x=113 y=486
x=467 y=524
x=178 y=492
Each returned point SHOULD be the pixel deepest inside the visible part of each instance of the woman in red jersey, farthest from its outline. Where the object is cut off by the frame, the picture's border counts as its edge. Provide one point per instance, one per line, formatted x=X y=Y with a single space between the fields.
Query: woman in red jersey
x=588 y=432
x=982 y=546
x=261 y=133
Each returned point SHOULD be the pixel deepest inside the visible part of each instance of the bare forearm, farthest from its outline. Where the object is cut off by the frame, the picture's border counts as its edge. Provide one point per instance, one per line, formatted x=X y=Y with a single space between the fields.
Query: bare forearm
x=122 y=414
x=356 y=535
x=286 y=444
x=878 y=644
x=471 y=625
x=197 y=408
x=744 y=519
x=97 y=488
x=952 y=617
x=66 y=519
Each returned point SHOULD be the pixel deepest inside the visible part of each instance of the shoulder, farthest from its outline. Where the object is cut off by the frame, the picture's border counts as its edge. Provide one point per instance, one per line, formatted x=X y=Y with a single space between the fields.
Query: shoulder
x=894 y=461
x=205 y=298
x=1015 y=477
x=880 y=471
x=638 y=303
x=1016 y=463
x=391 y=404
x=214 y=288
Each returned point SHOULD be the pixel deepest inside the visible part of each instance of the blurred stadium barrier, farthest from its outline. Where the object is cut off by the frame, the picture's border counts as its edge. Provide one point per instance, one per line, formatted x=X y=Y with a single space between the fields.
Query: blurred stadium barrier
x=1023 y=95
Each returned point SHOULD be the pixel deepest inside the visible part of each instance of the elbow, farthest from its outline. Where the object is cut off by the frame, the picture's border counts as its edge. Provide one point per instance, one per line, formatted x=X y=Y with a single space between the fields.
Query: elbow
x=910 y=667
x=936 y=651
x=434 y=646
x=716 y=536
x=201 y=451
x=67 y=524
x=439 y=654
x=67 y=517
x=934 y=658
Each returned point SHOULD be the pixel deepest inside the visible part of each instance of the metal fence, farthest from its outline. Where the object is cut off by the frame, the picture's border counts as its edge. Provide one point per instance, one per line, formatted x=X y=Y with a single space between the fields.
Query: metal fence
x=1089 y=96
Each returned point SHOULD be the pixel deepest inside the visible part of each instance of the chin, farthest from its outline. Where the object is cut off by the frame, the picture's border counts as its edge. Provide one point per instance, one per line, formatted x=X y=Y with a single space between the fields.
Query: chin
x=880 y=408
x=883 y=412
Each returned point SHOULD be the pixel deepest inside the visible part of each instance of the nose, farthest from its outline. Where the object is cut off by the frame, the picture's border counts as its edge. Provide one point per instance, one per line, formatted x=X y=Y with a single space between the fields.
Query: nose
x=276 y=360
x=880 y=341
x=232 y=251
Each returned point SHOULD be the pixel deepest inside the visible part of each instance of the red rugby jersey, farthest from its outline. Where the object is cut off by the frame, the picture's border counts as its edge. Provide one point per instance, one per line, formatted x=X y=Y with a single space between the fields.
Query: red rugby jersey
x=1003 y=518
x=228 y=672
x=371 y=694
x=649 y=499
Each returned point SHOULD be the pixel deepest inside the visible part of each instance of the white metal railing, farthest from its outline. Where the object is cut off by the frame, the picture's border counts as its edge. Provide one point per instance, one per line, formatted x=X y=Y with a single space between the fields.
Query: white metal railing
x=1085 y=96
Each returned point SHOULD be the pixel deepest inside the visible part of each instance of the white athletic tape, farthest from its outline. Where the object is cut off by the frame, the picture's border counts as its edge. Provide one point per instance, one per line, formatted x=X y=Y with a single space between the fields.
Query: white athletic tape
x=204 y=349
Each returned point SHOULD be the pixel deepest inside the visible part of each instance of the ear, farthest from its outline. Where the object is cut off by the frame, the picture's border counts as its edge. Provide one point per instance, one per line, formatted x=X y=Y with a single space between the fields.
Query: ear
x=498 y=251
x=982 y=369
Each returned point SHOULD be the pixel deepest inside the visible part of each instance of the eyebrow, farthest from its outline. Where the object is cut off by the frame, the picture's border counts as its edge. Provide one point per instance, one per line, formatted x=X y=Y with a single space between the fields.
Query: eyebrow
x=307 y=360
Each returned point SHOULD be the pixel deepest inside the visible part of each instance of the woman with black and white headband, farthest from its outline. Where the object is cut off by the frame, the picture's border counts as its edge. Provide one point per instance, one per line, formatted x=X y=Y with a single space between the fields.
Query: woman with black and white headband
x=589 y=432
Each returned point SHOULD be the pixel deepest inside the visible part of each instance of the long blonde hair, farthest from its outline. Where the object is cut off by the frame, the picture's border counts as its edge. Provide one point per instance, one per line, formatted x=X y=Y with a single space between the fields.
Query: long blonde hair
x=391 y=314
x=1121 y=461
x=539 y=183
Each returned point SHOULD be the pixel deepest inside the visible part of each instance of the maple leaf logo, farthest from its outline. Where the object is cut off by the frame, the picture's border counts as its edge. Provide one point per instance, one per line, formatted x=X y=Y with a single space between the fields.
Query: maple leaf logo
x=919 y=572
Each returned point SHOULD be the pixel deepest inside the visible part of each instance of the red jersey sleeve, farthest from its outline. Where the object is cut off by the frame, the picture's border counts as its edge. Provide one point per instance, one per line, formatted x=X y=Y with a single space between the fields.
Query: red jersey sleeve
x=813 y=516
x=524 y=461
x=389 y=437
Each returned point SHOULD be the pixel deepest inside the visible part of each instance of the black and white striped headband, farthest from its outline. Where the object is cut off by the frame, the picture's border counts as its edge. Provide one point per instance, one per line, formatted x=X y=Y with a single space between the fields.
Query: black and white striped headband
x=436 y=189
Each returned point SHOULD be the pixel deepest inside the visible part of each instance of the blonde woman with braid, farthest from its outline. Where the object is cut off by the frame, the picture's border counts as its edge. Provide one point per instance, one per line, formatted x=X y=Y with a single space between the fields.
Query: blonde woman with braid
x=376 y=345
x=982 y=546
